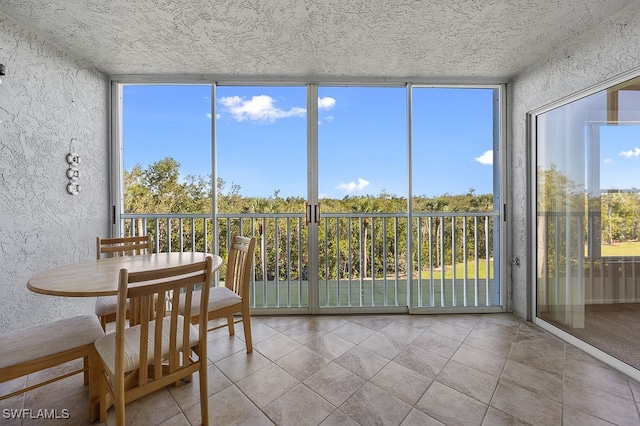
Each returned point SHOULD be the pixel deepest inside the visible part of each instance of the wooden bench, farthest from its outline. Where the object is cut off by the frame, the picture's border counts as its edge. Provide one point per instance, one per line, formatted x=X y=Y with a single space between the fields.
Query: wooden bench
x=37 y=348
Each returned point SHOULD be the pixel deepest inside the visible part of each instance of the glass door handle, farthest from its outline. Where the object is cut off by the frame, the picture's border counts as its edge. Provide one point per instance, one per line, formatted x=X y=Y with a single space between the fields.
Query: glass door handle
x=309 y=217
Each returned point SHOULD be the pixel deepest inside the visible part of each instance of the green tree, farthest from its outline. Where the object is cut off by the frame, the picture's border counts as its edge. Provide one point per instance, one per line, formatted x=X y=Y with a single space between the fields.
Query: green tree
x=159 y=189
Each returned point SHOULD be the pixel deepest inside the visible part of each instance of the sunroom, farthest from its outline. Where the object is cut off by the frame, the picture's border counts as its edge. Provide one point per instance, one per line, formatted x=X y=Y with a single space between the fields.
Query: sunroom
x=370 y=113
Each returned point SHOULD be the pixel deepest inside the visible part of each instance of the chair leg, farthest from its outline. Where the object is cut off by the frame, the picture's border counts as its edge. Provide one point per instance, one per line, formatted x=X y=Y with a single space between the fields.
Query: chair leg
x=246 y=323
x=103 y=323
x=186 y=356
x=94 y=387
x=103 y=396
x=117 y=389
x=232 y=329
x=204 y=400
x=120 y=407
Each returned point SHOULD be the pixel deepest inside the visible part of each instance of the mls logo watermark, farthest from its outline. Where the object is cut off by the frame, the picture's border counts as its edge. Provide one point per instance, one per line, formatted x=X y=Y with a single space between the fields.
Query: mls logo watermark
x=40 y=413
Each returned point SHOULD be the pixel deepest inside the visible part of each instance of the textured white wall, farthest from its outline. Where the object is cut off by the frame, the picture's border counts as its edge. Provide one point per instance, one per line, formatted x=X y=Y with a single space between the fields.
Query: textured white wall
x=610 y=49
x=46 y=99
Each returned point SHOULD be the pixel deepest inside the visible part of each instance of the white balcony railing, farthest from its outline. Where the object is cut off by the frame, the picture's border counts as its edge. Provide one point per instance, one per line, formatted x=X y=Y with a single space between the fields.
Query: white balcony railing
x=363 y=258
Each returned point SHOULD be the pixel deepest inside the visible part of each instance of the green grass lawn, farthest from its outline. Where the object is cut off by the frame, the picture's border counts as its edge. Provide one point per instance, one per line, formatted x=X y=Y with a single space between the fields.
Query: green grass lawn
x=625 y=248
x=460 y=272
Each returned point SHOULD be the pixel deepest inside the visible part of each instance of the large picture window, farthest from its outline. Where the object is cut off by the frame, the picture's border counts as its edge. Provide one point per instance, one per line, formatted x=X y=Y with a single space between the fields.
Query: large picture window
x=354 y=193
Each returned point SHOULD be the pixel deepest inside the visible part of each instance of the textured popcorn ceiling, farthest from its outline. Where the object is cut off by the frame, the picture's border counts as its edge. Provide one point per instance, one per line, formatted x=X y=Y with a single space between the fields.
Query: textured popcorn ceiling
x=312 y=38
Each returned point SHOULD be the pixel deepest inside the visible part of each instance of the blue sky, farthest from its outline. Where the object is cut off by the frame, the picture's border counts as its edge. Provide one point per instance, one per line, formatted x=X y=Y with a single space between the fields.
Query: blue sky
x=620 y=148
x=362 y=137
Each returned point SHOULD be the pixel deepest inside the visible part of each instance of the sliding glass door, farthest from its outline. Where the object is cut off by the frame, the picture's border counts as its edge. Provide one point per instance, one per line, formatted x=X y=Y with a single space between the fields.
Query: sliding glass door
x=587 y=218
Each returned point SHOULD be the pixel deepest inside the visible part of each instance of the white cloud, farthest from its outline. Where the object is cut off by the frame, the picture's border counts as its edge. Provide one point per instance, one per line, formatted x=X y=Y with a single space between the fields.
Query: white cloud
x=327 y=119
x=486 y=158
x=258 y=108
x=631 y=153
x=263 y=108
x=352 y=186
x=326 y=102
x=607 y=161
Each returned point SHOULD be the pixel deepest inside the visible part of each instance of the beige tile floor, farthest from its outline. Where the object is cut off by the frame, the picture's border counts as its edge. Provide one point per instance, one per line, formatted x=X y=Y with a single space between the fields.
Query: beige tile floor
x=490 y=369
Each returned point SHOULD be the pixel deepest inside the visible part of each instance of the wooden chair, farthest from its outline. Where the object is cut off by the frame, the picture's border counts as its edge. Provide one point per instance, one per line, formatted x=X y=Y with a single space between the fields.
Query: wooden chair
x=233 y=297
x=115 y=247
x=43 y=346
x=144 y=358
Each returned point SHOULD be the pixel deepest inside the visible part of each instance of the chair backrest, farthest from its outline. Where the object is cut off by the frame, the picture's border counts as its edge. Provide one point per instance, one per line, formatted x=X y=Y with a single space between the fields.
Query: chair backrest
x=170 y=333
x=123 y=246
x=239 y=263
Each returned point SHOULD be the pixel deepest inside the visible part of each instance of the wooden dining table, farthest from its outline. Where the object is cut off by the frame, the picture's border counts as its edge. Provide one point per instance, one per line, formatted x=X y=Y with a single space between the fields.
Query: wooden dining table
x=100 y=277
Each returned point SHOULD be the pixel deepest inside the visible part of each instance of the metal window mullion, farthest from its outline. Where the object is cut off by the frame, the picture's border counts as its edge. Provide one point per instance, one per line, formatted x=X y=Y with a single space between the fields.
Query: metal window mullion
x=312 y=194
x=409 y=209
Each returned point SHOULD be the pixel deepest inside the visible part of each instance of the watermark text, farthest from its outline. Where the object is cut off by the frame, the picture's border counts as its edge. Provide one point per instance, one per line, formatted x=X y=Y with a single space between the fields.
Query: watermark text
x=35 y=413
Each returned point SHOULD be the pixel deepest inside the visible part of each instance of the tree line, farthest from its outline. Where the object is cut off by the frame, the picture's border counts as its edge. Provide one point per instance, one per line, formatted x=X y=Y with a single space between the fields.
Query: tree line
x=375 y=246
